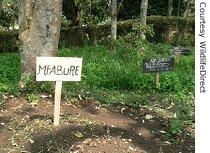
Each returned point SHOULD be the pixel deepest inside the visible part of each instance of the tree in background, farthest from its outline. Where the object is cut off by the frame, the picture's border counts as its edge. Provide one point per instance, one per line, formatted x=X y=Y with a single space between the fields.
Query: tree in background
x=143 y=15
x=170 y=7
x=113 y=22
x=188 y=7
x=169 y=32
x=189 y=4
x=39 y=31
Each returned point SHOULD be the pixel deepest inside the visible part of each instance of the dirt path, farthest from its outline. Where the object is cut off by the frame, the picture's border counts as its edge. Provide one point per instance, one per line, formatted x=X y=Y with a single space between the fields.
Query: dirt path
x=86 y=127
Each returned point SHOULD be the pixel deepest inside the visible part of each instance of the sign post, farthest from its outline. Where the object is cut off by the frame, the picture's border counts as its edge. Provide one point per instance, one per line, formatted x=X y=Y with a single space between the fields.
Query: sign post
x=158 y=65
x=58 y=88
x=157 y=79
x=58 y=69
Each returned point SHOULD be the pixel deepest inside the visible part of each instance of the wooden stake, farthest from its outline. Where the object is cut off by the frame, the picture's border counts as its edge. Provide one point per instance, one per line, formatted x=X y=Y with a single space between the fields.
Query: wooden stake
x=157 y=79
x=58 y=87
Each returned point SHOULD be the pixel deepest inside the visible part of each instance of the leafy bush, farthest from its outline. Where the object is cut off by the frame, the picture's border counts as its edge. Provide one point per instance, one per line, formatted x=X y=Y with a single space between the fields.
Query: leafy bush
x=9 y=42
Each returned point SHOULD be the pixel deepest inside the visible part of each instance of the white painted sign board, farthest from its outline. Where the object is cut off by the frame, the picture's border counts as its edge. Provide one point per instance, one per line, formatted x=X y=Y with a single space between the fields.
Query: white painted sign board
x=58 y=69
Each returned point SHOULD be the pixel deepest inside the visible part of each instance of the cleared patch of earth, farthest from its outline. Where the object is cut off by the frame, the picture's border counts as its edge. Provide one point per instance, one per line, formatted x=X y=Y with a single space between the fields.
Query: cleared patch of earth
x=86 y=127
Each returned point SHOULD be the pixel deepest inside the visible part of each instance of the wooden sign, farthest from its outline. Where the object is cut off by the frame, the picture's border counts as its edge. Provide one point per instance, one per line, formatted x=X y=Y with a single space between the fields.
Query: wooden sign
x=158 y=65
x=181 y=51
x=58 y=69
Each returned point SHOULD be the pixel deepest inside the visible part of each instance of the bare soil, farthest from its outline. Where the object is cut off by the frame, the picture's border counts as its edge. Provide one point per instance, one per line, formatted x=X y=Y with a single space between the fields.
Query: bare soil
x=86 y=127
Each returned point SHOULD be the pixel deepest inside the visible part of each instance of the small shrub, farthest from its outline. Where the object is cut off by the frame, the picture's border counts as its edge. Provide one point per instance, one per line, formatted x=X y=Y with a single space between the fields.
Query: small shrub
x=33 y=99
x=175 y=126
x=170 y=82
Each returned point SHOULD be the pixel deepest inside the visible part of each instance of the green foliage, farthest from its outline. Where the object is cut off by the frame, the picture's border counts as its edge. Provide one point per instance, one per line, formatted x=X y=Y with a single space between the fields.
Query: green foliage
x=175 y=126
x=123 y=69
x=8 y=13
x=131 y=9
x=9 y=72
x=103 y=69
x=135 y=35
x=170 y=82
x=9 y=41
x=32 y=86
x=155 y=30
x=95 y=11
x=33 y=99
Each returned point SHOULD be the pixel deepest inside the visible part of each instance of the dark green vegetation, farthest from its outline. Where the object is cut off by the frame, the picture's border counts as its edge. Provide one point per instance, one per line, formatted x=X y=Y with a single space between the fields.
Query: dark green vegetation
x=117 y=79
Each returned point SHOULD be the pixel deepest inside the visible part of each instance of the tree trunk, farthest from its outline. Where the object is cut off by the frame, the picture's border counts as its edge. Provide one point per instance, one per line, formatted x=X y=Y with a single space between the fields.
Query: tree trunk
x=91 y=25
x=0 y=7
x=170 y=7
x=169 y=33
x=183 y=30
x=113 y=20
x=39 y=31
x=187 y=8
x=143 y=15
x=79 y=23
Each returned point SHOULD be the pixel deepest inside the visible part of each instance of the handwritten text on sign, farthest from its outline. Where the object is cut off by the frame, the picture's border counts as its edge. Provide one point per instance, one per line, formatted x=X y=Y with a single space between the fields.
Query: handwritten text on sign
x=181 y=51
x=158 y=65
x=58 y=69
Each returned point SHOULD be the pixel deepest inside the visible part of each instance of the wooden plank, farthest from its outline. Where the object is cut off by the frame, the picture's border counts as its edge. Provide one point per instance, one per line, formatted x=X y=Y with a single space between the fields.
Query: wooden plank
x=157 y=79
x=58 y=88
x=158 y=64
x=58 y=68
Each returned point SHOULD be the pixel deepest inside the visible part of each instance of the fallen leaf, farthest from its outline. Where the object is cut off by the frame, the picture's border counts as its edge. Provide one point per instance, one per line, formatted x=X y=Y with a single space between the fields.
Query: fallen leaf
x=132 y=149
x=162 y=132
x=11 y=96
x=78 y=134
x=148 y=117
x=87 y=141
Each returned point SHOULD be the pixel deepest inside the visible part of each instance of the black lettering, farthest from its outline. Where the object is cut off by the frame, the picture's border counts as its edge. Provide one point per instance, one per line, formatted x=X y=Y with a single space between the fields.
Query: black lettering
x=76 y=71
x=48 y=69
x=202 y=4
x=59 y=70
x=65 y=71
x=202 y=89
x=72 y=68
x=52 y=70
x=203 y=73
x=202 y=67
x=203 y=44
x=41 y=68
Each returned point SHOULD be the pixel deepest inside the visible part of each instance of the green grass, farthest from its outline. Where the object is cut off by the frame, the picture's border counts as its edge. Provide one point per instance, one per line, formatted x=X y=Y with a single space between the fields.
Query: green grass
x=117 y=73
x=122 y=70
x=9 y=72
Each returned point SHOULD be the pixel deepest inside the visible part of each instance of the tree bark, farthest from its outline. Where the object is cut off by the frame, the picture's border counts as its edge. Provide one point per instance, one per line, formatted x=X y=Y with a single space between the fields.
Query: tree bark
x=169 y=33
x=183 y=30
x=187 y=8
x=143 y=15
x=91 y=25
x=170 y=7
x=114 y=20
x=0 y=7
x=39 y=32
